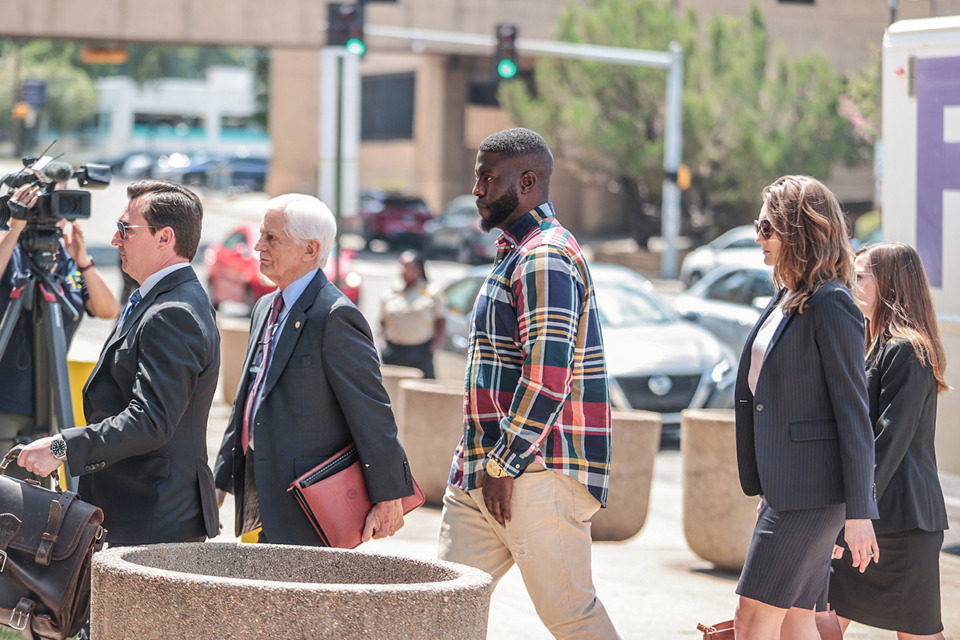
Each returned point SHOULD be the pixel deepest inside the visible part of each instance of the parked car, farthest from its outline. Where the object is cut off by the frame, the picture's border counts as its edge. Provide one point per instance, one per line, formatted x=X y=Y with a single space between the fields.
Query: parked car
x=139 y=164
x=393 y=218
x=233 y=269
x=736 y=246
x=457 y=232
x=221 y=172
x=655 y=360
x=728 y=301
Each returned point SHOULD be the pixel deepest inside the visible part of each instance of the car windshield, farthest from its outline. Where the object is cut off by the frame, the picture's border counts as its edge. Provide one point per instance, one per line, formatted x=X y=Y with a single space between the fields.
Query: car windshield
x=623 y=304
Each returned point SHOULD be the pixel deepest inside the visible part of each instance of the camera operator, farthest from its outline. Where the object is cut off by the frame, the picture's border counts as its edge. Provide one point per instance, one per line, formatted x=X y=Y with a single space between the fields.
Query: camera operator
x=83 y=286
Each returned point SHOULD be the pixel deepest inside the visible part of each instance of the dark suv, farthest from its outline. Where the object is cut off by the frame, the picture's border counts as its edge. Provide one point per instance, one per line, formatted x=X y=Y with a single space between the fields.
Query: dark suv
x=394 y=218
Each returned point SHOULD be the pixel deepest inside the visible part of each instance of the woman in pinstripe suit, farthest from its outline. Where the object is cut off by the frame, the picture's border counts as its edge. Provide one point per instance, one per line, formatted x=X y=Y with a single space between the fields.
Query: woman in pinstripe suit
x=804 y=440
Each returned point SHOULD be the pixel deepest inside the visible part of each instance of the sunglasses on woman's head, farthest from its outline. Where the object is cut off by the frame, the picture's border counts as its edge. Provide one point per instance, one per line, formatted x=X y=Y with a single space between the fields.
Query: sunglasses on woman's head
x=764 y=228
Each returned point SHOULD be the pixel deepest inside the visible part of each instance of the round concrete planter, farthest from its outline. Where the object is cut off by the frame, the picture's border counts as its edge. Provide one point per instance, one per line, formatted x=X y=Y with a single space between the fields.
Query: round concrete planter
x=240 y=591
x=718 y=519
x=636 y=440
x=392 y=377
x=233 y=351
x=430 y=421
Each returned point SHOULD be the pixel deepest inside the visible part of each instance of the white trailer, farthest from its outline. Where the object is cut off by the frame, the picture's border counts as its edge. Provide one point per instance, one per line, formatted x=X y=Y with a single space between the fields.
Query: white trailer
x=920 y=187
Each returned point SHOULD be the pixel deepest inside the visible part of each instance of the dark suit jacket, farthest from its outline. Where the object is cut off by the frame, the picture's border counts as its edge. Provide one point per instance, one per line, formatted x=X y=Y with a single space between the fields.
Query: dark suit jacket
x=903 y=410
x=322 y=391
x=142 y=457
x=804 y=440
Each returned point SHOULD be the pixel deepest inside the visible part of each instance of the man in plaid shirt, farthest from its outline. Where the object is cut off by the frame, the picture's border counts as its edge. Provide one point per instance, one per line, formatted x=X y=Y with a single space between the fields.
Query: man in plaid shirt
x=534 y=462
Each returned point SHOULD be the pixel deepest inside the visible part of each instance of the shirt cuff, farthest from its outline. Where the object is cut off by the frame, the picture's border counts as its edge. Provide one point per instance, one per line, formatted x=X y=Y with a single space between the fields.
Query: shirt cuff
x=510 y=461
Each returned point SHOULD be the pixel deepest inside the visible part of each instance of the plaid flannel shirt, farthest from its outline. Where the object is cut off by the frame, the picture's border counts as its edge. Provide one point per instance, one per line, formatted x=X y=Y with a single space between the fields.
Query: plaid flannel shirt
x=536 y=383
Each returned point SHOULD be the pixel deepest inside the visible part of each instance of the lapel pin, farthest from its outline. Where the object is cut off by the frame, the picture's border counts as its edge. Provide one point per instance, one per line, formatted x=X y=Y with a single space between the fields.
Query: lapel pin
x=297 y=326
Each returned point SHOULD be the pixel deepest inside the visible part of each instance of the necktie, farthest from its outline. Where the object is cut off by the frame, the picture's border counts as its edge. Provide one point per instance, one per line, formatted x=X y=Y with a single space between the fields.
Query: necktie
x=132 y=301
x=266 y=340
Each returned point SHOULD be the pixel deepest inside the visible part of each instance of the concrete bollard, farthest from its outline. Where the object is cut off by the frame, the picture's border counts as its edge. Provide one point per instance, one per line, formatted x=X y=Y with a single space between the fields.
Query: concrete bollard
x=233 y=351
x=430 y=422
x=240 y=591
x=636 y=440
x=718 y=520
x=392 y=376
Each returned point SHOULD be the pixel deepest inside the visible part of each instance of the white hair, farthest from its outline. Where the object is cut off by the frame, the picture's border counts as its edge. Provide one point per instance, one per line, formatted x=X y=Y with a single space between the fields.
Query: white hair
x=305 y=219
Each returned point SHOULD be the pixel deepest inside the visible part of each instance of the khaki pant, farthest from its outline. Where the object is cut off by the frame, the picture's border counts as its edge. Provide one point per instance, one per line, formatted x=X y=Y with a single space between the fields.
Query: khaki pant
x=548 y=537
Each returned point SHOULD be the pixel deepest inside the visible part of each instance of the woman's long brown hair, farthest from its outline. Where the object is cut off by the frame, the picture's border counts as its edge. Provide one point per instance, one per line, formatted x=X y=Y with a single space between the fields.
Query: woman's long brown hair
x=904 y=305
x=814 y=248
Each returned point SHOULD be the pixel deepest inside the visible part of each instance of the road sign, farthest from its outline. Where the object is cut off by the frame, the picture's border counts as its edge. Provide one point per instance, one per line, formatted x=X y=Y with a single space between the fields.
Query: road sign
x=33 y=91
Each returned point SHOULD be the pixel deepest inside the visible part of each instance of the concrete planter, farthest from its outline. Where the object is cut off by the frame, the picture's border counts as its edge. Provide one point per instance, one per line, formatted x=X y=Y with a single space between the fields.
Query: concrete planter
x=233 y=351
x=430 y=419
x=392 y=376
x=636 y=440
x=430 y=422
x=718 y=520
x=215 y=590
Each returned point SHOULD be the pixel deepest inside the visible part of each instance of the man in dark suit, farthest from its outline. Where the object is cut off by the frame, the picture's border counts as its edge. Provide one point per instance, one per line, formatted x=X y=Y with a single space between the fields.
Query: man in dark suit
x=142 y=457
x=311 y=386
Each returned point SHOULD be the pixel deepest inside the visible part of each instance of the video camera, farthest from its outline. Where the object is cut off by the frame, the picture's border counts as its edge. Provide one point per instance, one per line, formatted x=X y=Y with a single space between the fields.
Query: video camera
x=40 y=239
x=52 y=204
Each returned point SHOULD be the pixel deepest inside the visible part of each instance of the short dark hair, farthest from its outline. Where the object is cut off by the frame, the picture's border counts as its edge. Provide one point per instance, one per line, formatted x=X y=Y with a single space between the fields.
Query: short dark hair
x=416 y=257
x=519 y=142
x=168 y=204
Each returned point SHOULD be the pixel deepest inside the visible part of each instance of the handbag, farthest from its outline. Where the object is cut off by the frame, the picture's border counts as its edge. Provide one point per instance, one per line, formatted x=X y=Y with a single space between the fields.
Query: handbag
x=828 y=626
x=47 y=539
x=334 y=497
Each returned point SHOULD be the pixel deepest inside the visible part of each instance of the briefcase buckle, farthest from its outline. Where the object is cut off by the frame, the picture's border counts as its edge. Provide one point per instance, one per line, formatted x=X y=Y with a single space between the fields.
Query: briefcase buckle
x=19 y=620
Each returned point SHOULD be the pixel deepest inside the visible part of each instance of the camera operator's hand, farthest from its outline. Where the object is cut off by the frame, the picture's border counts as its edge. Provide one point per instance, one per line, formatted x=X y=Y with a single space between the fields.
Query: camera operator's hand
x=75 y=244
x=36 y=458
x=16 y=226
x=22 y=200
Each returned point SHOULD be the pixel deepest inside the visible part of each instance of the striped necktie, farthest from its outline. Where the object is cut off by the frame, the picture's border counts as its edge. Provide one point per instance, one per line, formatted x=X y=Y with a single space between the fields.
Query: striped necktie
x=132 y=302
x=266 y=341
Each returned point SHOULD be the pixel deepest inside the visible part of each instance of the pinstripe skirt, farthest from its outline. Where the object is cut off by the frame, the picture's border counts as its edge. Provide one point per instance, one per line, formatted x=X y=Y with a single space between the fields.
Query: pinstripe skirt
x=788 y=564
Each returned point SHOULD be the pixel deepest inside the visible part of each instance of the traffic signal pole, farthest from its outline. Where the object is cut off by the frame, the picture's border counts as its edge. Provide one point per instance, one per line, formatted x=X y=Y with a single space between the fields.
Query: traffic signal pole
x=671 y=61
x=338 y=185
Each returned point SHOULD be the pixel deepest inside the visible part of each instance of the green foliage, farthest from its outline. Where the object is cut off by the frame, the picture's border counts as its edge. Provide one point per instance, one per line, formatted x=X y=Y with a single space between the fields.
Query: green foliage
x=747 y=118
x=71 y=95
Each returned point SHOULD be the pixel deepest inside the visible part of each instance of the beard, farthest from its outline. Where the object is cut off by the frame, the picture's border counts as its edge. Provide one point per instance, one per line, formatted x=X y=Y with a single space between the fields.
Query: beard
x=500 y=209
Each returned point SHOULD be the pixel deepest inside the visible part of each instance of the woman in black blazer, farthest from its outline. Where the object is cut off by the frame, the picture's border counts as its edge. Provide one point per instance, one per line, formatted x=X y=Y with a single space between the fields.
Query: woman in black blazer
x=905 y=366
x=804 y=442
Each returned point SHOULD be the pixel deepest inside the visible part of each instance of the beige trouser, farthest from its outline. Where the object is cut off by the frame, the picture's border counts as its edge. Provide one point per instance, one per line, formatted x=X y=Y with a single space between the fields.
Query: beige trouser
x=548 y=537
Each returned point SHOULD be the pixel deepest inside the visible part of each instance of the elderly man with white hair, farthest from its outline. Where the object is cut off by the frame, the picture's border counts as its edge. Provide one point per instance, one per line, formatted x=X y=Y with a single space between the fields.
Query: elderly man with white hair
x=311 y=386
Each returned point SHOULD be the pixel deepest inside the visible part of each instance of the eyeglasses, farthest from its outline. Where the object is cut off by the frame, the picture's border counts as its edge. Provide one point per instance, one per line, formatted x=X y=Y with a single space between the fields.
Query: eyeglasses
x=763 y=228
x=123 y=226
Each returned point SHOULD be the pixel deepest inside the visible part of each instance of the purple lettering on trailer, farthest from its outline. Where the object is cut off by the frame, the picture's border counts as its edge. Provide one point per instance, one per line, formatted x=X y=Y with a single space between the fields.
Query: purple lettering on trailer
x=938 y=162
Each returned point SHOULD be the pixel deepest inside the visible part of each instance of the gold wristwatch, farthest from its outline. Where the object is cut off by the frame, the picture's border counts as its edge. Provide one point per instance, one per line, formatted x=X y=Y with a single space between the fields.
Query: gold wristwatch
x=494 y=470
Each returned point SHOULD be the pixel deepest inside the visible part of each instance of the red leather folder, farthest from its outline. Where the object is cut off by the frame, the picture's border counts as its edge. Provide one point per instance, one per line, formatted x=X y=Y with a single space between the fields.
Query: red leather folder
x=334 y=496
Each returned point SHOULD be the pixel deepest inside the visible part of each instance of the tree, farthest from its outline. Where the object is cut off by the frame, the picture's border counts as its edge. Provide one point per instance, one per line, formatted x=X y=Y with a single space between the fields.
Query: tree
x=71 y=97
x=747 y=119
x=606 y=118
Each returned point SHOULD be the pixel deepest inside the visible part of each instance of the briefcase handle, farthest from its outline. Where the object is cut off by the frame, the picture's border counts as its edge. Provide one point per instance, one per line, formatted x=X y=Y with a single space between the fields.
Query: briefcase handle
x=10 y=457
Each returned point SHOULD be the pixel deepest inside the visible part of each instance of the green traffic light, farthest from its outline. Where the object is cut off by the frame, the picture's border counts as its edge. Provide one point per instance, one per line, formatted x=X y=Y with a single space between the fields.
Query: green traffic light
x=356 y=46
x=507 y=68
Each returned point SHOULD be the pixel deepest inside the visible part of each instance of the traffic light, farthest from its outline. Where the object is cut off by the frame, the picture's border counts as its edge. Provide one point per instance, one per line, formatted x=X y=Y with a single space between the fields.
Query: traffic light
x=506 y=56
x=345 y=26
